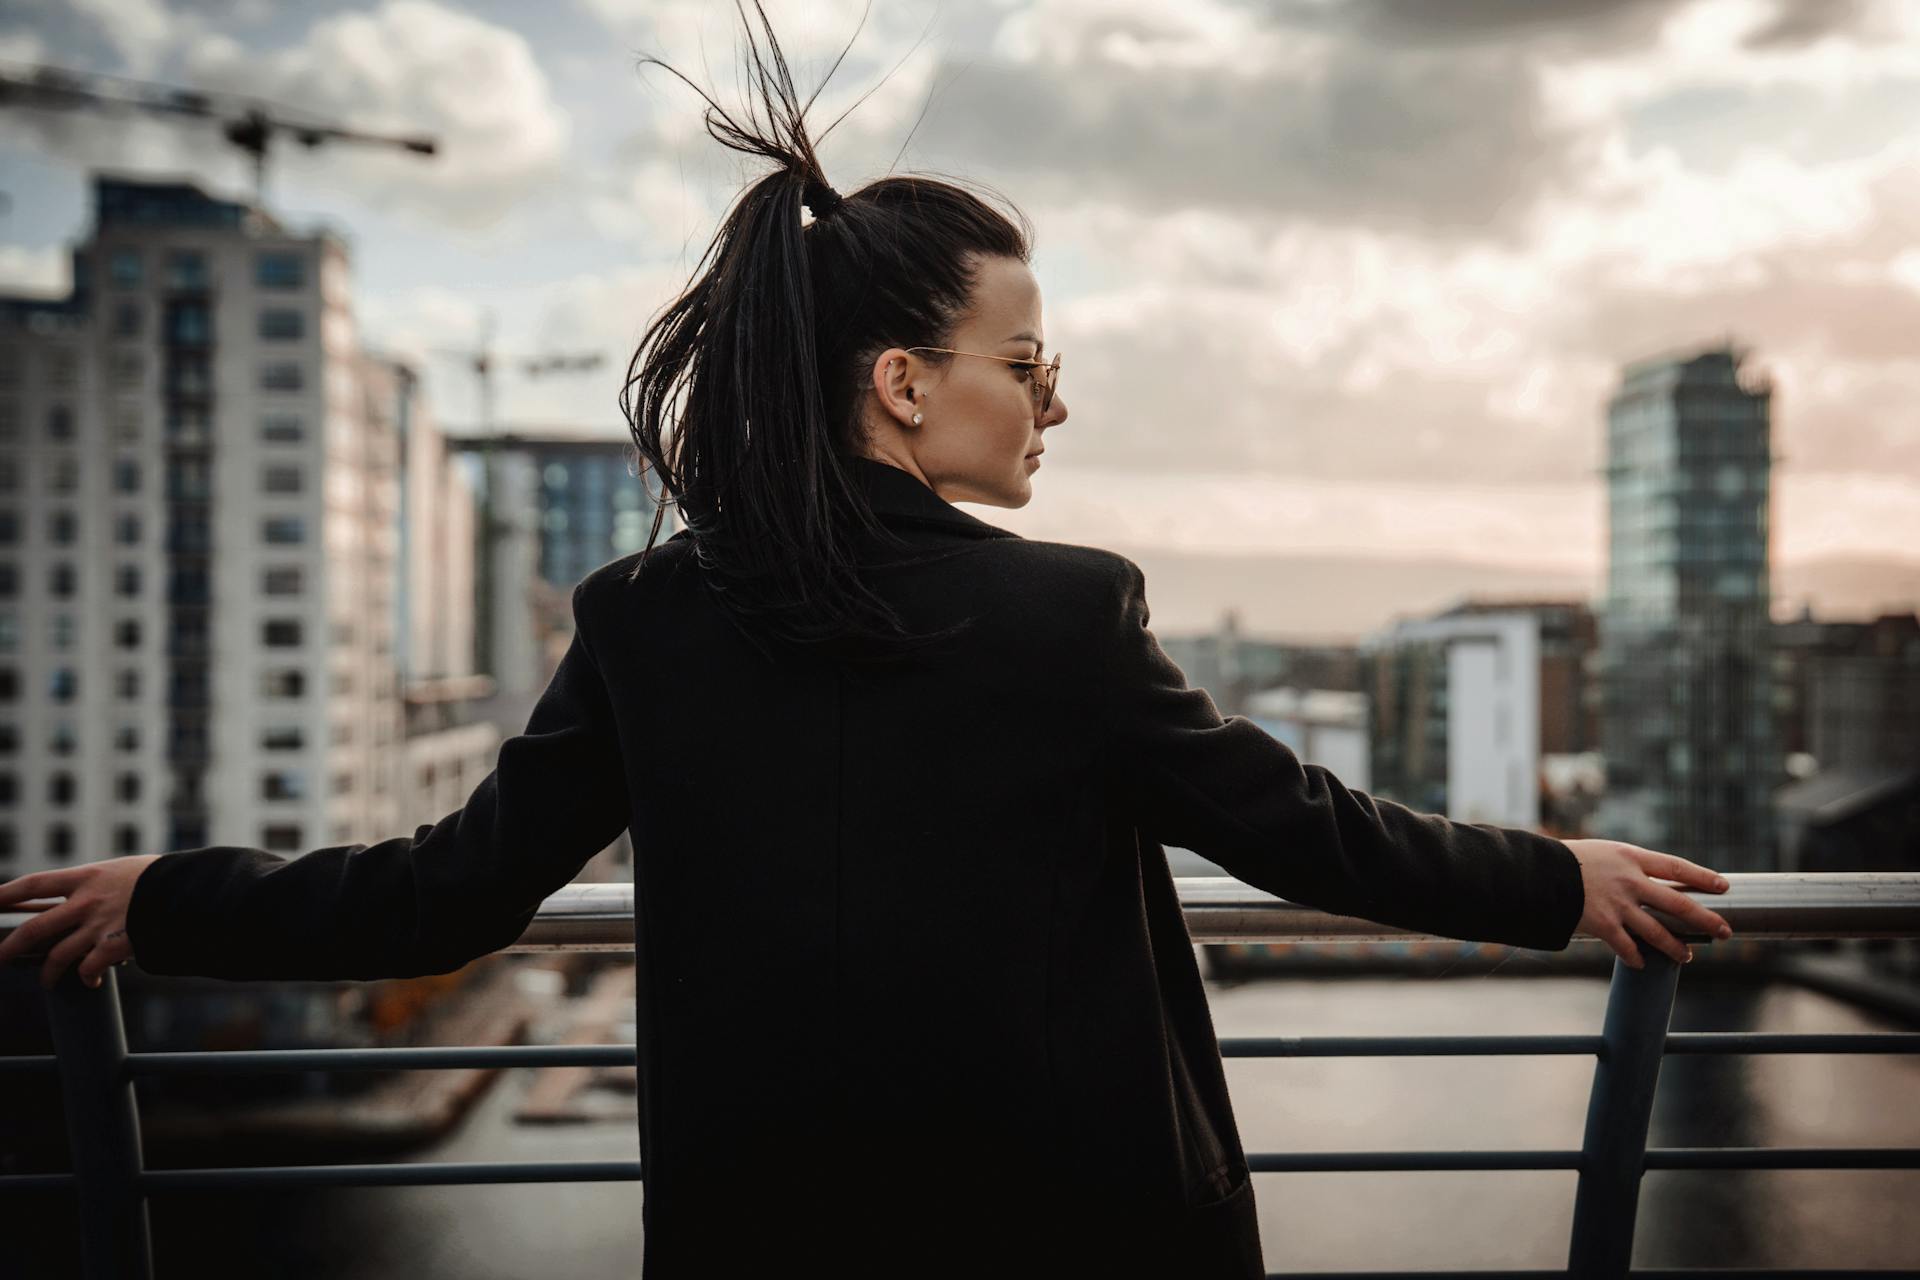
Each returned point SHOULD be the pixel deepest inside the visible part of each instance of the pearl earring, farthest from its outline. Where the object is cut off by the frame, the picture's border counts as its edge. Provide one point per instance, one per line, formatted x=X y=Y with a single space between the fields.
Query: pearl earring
x=916 y=418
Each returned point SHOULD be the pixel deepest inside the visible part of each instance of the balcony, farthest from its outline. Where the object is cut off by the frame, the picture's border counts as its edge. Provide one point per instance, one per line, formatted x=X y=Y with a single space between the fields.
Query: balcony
x=97 y=1072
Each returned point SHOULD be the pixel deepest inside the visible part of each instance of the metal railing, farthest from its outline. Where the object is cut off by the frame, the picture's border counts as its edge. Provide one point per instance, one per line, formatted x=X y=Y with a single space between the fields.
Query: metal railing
x=97 y=1072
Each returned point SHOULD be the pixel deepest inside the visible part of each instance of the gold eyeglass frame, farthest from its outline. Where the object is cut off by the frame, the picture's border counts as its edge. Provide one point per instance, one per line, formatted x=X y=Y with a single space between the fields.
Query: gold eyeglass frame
x=1053 y=369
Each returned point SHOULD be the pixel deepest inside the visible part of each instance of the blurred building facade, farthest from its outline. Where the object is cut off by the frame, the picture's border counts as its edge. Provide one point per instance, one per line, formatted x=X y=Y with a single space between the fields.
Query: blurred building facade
x=1233 y=666
x=1455 y=702
x=565 y=505
x=203 y=615
x=1685 y=634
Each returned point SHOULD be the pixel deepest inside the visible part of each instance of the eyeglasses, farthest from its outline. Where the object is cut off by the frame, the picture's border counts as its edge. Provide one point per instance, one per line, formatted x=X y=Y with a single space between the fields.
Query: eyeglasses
x=1043 y=387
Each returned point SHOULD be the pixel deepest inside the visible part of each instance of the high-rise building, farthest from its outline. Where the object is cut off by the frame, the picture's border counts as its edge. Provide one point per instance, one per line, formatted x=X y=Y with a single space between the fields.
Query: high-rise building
x=199 y=544
x=1685 y=635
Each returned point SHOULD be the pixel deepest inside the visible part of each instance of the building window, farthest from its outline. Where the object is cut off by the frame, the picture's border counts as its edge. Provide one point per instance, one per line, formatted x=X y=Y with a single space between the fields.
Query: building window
x=279 y=270
x=9 y=739
x=127 y=318
x=282 y=580
x=284 y=530
x=7 y=842
x=60 y=840
x=9 y=473
x=126 y=839
x=126 y=580
x=284 y=784
x=280 y=633
x=64 y=367
x=60 y=422
x=188 y=372
x=189 y=530
x=63 y=526
x=283 y=737
x=275 y=836
x=60 y=631
x=187 y=686
x=126 y=369
x=282 y=324
x=126 y=528
x=283 y=682
x=281 y=375
x=9 y=790
x=128 y=684
x=189 y=423
x=189 y=479
x=124 y=268
x=126 y=475
x=9 y=418
x=9 y=581
x=283 y=428
x=63 y=474
x=9 y=528
x=62 y=684
x=126 y=633
x=63 y=741
x=189 y=584
x=126 y=788
x=126 y=422
x=63 y=580
x=126 y=738
x=9 y=633
x=186 y=269
x=60 y=788
x=9 y=684
x=281 y=479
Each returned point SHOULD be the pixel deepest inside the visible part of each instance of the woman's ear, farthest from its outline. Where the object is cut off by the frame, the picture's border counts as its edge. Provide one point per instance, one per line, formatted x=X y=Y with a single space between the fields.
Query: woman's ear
x=894 y=375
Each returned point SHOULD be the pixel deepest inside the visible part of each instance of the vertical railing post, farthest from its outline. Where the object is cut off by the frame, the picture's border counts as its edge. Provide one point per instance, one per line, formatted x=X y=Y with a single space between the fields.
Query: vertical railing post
x=103 y=1128
x=1613 y=1153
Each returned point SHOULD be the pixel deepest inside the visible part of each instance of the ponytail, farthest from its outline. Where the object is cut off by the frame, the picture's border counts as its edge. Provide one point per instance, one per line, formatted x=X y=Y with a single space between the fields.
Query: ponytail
x=744 y=394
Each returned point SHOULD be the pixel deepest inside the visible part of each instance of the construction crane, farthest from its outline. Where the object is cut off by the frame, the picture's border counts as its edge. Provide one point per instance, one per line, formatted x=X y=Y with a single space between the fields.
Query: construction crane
x=250 y=124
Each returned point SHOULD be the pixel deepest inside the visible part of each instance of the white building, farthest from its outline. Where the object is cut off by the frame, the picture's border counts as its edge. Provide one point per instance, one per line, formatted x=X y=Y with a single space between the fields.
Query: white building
x=200 y=532
x=1457 y=715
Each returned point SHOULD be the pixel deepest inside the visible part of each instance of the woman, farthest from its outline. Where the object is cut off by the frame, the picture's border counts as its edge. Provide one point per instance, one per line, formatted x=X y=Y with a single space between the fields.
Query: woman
x=916 y=996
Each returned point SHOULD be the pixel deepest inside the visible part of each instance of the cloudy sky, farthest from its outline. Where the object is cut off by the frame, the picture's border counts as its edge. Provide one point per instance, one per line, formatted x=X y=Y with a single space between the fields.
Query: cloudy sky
x=1330 y=276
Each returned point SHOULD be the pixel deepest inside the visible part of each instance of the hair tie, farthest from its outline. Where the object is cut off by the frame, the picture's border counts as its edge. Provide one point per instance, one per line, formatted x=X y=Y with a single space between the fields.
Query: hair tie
x=819 y=198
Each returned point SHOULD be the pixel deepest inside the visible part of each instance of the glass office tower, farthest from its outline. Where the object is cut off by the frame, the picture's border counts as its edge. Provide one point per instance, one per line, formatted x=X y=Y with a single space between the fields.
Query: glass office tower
x=1685 y=635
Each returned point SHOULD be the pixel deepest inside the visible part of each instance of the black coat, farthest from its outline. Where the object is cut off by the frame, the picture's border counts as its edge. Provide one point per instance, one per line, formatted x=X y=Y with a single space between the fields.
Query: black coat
x=915 y=992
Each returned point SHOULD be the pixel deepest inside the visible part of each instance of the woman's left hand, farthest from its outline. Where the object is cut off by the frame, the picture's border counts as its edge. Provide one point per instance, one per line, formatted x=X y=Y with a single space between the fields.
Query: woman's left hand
x=89 y=926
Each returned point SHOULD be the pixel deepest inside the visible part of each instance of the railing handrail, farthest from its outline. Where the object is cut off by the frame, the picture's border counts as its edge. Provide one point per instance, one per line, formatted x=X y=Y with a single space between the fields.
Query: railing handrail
x=1770 y=906
x=1761 y=906
x=97 y=1071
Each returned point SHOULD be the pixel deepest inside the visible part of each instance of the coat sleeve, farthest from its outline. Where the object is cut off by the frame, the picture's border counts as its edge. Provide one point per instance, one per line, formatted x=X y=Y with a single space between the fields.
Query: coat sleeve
x=1234 y=794
x=425 y=903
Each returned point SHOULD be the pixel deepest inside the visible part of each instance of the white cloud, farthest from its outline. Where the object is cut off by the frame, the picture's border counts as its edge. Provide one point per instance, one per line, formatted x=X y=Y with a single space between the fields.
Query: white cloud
x=142 y=31
x=412 y=67
x=1145 y=35
x=46 y=270
x=408 y=67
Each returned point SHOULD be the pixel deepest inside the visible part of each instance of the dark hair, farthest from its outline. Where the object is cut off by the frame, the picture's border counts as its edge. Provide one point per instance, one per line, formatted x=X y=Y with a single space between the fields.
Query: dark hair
x=756 y=372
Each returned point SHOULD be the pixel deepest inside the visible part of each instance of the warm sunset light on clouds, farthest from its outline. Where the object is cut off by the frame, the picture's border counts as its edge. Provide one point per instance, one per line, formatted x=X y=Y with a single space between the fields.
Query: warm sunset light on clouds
x=1329 y=277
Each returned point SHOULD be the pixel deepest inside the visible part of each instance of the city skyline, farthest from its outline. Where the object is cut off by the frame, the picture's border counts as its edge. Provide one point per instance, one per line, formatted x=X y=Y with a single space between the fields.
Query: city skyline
x=1403 y=301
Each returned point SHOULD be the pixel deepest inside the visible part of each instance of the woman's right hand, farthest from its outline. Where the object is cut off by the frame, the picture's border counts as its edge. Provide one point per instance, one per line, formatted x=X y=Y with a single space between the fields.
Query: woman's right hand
x=89 y=925
x=1619 y=879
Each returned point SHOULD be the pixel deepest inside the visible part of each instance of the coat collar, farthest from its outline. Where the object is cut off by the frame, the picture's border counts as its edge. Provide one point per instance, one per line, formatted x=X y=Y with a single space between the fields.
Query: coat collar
x=897 y=494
